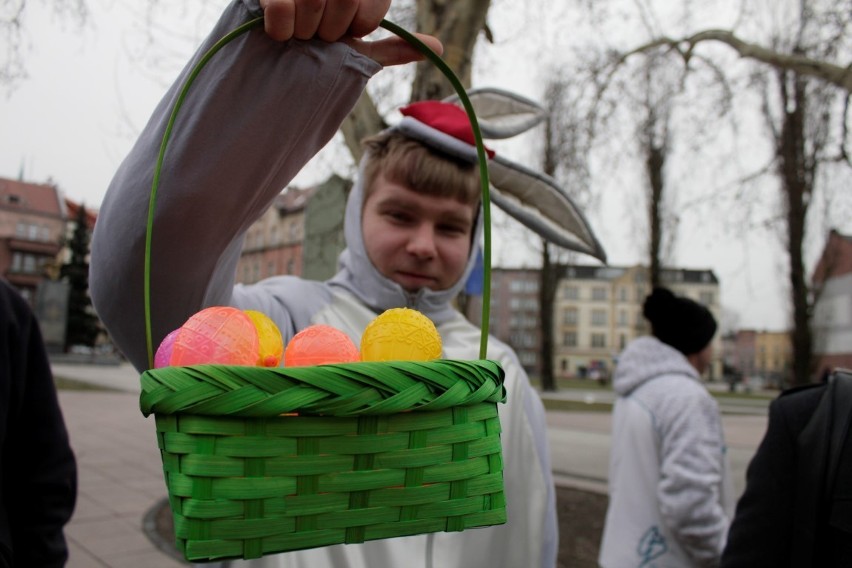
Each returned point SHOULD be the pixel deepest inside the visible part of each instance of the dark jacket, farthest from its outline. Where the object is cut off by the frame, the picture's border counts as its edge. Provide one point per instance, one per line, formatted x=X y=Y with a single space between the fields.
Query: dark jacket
x=797 y=506
x=38 y=472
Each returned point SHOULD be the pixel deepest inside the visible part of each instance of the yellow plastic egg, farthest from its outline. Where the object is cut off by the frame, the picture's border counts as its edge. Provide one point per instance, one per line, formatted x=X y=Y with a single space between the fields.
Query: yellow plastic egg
x=401 y=334
x=269 y=336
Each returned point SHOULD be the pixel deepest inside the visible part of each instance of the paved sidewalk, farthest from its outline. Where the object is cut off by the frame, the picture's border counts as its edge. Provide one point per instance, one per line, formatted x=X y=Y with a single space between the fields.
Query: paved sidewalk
x=119 y=470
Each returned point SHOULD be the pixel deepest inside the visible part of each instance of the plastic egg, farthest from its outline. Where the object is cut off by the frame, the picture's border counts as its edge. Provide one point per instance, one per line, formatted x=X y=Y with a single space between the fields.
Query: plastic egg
x=320 y=344
x=163 y=356
x=271 y=344
x=216 y=335
x=401 y=334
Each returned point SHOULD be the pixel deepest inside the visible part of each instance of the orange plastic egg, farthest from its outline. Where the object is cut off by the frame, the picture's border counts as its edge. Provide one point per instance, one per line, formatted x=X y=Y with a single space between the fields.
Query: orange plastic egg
x=320 y=344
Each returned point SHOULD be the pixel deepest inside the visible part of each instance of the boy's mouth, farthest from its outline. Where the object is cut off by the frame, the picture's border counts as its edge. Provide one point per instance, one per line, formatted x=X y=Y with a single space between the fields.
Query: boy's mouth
x=414 y=280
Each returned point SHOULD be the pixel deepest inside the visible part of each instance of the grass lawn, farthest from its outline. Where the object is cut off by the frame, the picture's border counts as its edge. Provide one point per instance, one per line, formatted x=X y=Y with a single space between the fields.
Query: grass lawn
x=70 y=384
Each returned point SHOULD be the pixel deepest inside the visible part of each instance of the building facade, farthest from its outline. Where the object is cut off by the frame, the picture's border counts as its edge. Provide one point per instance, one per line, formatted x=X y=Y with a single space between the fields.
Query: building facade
x=597 y=312
x=762 y=358
x=273 y=245
x=832 y=316
x=301 y=234
x=32 y=229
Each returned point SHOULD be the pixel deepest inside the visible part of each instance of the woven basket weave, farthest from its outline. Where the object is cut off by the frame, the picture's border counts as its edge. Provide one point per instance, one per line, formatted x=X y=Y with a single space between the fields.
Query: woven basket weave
x=410 y=448
x=259 y=460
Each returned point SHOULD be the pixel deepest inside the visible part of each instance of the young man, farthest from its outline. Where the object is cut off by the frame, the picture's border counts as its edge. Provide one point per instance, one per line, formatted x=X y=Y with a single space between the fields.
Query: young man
x=258 y=111
x=670 y=495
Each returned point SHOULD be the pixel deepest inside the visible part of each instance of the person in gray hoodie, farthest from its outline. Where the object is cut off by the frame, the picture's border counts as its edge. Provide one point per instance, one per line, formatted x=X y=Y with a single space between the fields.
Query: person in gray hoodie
x=670 y=493
x=256 y=114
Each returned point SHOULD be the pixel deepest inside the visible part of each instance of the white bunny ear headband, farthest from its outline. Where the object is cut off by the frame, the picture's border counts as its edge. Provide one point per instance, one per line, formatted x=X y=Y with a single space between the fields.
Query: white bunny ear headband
x=533 y=198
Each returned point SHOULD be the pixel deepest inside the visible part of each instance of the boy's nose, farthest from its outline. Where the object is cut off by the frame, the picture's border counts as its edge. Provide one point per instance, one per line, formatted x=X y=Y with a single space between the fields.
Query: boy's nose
x=422 y=242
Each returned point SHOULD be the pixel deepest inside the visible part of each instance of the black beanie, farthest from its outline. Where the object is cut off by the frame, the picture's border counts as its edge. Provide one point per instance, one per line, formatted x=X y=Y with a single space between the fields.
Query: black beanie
x=680 y=322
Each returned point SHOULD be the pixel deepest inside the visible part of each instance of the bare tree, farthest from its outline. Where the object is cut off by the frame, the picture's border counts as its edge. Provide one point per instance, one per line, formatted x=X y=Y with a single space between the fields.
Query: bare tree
x=565 y=153
x=804 y=104
x=13 y=36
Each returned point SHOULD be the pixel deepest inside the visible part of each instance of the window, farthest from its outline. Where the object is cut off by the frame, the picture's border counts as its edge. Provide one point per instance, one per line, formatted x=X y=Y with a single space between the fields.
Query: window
x=622 y=293
x=598 y=317
x=569 y=339
x=521 y=339
x=598 y=340
x=528 y=358
x=622 y=341
x=570 y=316
x=29 y=263
x=622 y=318
x=563 y=364
x=570 y=293
x=706 y=298
x=598 y=294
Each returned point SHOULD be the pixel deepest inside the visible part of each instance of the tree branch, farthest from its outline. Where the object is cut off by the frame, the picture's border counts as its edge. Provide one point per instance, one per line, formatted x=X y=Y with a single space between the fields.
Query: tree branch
x=834 y=74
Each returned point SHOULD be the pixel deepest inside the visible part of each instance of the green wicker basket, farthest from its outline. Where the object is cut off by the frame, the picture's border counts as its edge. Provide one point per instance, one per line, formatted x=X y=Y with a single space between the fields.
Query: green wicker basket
x=390 y=449
x=260 y=460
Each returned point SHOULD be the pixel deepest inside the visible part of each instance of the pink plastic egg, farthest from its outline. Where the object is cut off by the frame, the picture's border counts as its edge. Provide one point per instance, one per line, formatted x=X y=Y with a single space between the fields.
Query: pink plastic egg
x=216 y=335
x=163 y=357
x=320 y=344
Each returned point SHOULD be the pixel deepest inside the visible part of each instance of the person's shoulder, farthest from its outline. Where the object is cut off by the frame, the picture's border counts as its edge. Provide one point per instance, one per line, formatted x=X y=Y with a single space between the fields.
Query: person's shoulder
x=798 y=403
x=801 y=392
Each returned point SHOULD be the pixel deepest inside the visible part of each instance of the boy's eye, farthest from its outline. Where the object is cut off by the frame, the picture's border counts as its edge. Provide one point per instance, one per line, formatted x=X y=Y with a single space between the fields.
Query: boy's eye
x=453 y=229
x=399 y=216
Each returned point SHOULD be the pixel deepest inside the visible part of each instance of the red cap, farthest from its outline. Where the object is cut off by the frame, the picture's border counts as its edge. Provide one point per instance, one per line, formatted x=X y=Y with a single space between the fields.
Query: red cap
x=444 y=117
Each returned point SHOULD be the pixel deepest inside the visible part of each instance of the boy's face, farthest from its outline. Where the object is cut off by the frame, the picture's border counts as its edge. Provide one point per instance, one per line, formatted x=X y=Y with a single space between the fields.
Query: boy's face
x=416 y=240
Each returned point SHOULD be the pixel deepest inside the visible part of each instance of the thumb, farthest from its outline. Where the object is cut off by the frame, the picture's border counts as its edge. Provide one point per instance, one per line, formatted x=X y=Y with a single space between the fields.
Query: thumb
x=395 y=50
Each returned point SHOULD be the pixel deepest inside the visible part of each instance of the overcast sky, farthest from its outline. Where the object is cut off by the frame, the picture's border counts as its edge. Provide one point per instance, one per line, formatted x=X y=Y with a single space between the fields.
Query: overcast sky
x=86 y=98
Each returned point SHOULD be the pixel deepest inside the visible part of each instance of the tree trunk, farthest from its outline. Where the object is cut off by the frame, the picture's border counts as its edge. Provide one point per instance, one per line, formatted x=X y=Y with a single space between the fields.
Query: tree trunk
x=547 y=293
x=797 y=180
x=363 y=121
x=655 y=160
x=457 y=25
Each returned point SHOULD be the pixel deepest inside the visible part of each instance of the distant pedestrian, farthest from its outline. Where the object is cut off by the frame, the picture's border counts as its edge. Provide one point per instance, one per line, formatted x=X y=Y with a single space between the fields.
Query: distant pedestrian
x=670 y=494
x=797 y=506
x=38 y=472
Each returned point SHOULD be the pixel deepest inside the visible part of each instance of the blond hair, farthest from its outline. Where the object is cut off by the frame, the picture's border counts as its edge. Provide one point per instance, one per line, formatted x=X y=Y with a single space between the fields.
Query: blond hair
x=405 y=161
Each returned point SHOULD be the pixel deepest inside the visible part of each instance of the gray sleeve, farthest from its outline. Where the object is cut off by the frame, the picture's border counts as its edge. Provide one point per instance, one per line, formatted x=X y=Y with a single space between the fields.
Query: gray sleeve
x=256 y=113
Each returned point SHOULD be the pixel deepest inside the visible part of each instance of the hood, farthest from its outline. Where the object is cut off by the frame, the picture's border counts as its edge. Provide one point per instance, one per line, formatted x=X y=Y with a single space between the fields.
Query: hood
x=359 y=276
x=645 y=359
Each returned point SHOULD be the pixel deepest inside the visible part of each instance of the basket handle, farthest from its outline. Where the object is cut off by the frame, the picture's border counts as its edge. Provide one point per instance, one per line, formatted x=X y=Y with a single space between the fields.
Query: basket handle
x=480 y=152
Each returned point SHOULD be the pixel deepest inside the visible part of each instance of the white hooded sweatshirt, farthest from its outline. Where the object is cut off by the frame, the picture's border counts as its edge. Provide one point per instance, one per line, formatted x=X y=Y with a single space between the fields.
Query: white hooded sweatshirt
x=670 y=494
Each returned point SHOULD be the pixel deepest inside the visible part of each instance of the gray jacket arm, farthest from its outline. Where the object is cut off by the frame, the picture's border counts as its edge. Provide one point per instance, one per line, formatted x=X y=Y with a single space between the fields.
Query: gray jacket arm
x=256 y=113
